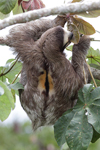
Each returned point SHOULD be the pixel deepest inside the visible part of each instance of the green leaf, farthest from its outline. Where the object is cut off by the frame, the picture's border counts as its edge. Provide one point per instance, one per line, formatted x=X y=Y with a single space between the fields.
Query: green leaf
x=84 y=97
x=13 y=93
x=83 y=26
x=96 y=136
x=1 y=91
x=6 y=102
x=95 y=66
x=79 y=132
x=16 y=86
x=17 y=9
x=76 y=127
x=87 y=88
x=97 y=82
x=69 y=48
x=96 y=102
x=84 y=93
x=3 y=16
x=94 y=116
x=5 y=107
x=61 y=125
x=87 y=92
x=7 y=5
x=81 y=102
x=79 y=106
x=90 y=14
x=95 y=94
x=71 y=27
x=13 y=72
x=80 y=96
x=76 y=1
x=93 y=56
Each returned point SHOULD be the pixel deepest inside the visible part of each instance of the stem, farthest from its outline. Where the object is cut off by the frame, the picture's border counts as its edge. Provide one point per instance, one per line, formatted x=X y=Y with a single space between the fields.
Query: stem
x=84 y=75
x=92 y=39
x=94 y=59
x=91 y=75
x=69 y=49
x=16 y=77
x=2 y=74
x=98 y=31
x=22 y=8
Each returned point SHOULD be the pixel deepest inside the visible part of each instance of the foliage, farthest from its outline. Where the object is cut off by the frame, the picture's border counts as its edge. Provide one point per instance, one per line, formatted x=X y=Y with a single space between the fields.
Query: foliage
x=7 y=5
x=21 y=137
x=78 y=26
x=7 y=92
x=19 y=6
x=6 y=101
x=31 y=4
x=94 y=57
x=81 y=125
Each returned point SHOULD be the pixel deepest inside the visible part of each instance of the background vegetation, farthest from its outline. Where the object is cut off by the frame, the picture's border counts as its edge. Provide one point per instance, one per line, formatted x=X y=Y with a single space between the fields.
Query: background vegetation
x=21 y=137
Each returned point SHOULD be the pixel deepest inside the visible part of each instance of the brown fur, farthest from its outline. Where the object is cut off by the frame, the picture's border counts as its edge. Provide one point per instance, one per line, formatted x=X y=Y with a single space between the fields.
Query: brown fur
x=50 y=81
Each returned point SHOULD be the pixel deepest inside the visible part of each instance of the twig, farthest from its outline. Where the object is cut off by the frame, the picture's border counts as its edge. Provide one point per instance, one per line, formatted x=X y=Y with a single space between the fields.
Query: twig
x=69 y=49
x=98 y=31
x=84 y=75
x=91 y=75
x=16 y=77
x=3 y=74
x=22 y=8
x=92 y=39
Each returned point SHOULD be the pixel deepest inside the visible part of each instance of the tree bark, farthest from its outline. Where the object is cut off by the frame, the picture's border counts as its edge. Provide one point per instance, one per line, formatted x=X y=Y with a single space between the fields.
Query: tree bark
x=96 y=73
x=63 y=9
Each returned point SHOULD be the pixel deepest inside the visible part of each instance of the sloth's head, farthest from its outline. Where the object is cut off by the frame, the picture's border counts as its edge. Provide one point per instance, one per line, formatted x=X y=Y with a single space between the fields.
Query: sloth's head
x=56 y=38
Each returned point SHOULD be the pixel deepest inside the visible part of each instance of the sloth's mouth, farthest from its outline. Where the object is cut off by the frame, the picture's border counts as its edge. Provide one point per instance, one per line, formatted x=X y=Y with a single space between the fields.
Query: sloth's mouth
x=66 y=44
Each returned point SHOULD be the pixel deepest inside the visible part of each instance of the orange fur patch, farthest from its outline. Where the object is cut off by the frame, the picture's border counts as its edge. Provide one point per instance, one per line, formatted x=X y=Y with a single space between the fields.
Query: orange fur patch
x=50 y=82
x=42 y=80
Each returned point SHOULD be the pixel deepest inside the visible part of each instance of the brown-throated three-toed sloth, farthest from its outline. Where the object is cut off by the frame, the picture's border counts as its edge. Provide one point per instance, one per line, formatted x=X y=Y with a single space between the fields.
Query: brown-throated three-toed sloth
x=50 y=81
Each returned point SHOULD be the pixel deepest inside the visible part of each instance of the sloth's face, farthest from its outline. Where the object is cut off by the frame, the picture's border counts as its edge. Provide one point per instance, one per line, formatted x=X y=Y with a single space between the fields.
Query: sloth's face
x=67 y=38
x=56 y=38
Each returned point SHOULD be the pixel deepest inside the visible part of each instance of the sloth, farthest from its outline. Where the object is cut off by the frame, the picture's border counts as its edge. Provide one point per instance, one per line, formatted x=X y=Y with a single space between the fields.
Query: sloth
x=51 y=82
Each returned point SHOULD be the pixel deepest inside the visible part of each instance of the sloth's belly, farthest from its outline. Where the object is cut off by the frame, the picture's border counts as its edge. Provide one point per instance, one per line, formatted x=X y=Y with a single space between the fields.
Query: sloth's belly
x=45 y=83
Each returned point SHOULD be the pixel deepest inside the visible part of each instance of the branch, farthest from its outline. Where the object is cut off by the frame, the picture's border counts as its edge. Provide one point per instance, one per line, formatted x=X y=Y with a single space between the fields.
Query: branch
x=91 y=75
x=96 y=73
x=3 y=74
x=93 y=40
x=16 y=77
x=97 y=31
x=63 y=9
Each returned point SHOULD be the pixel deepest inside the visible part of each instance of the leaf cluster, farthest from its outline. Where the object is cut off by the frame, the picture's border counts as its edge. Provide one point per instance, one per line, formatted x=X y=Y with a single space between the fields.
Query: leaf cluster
x=18 y=6
x=7 y=89
x=30 y=4
x=81 y=125
x=78 y=25
x=93 y=59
